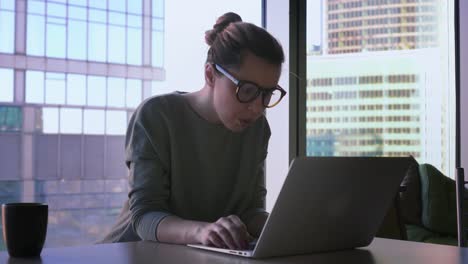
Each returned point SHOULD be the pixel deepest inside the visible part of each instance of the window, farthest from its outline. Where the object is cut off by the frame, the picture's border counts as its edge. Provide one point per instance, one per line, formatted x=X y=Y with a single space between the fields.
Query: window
x=6 y=92
x=82 y=31
x=90 y=64
x=404 y=82
x=7 y=33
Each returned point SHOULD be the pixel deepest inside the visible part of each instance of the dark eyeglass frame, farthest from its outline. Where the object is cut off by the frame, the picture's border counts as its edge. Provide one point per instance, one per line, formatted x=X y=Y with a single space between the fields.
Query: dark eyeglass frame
x=262 y=91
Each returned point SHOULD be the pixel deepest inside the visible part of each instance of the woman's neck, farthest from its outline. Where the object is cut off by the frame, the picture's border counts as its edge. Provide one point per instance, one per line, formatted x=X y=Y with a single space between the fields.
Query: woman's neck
x=202 y=102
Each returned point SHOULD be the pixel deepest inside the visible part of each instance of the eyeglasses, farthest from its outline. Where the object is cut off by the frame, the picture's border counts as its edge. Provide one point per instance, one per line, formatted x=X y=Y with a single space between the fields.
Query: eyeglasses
x=247 y=92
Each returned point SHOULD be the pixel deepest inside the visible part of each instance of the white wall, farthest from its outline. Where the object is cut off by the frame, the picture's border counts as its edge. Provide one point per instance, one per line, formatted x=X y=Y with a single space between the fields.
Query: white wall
x=277 y=163
x=464 y=82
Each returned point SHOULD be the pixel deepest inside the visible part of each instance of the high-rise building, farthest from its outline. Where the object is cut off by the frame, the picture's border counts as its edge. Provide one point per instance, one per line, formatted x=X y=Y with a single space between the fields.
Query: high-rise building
x=380 y=85
x=72 y=73
x=372 y=25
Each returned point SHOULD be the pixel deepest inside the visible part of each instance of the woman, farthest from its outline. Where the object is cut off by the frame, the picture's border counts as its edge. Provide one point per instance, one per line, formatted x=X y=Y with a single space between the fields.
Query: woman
x=196 y=160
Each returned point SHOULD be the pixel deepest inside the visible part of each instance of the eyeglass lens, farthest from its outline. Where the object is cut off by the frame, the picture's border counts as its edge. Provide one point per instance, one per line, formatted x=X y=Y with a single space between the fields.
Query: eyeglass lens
x=248 y=92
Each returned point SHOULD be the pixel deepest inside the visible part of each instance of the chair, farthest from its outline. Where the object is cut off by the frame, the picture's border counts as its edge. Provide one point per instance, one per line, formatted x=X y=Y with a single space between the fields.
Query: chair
x=462 y=206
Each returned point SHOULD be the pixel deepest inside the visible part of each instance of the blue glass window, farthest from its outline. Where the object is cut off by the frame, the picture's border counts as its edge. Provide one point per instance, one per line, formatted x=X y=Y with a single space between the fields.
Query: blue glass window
x=134 y=21
x=97 y=15
x=118 y=5
x=7 y=86
x=11 y=118
x=50 y=120
x=158 y=8
x=117 y=18
x=133 y=93
x=76 y=40
x=7 y=31
x=96 y=91
x=158 y=24
x=56 y=34
x=134 y=46
x=35 y=35
x=157 y=51
x=76 y=89
x=97 y=42
x=101 y=4
x=116 y=92
x=55 y=88
x=75 y=12
x=36 y=7
x=70 y=121
x=8 y=5
x=78 y=2
x=135 y=7
x=93 y=122
x=34 y=87
x=56 y=10
x=116 y=51
x=116 y=122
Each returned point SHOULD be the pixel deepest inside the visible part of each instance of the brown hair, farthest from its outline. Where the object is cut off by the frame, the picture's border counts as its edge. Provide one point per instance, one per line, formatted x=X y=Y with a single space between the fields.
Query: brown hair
x=230 y=38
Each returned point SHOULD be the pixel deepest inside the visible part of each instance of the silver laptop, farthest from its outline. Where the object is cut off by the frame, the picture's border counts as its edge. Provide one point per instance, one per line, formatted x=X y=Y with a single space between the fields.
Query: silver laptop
x=328 y=204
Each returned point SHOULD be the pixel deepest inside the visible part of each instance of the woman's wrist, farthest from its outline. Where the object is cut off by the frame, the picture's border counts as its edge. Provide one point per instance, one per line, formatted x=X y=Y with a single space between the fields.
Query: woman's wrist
x=195 y=233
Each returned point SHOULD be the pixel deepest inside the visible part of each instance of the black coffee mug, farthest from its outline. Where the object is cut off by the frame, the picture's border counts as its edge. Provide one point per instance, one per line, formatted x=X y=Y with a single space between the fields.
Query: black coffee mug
x=24 y=228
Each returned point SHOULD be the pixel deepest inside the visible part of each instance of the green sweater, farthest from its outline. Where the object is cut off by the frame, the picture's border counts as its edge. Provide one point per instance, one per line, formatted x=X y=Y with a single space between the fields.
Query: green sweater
x=180 y=164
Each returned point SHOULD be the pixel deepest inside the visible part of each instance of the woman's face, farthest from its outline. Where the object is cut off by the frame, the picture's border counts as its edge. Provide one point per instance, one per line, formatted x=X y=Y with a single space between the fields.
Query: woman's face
x=234 y=115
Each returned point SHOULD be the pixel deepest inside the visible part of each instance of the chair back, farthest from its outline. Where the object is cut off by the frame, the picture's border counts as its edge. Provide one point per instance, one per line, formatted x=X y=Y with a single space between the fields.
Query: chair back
x=462 y=205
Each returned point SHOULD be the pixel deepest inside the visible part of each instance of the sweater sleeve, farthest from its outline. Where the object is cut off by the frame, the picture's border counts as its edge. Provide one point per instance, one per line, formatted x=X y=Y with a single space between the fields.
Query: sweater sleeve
x=147 y=159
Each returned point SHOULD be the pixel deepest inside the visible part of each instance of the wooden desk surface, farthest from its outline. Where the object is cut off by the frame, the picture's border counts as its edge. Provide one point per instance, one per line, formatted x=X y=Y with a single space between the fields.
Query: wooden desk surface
x=379 y=252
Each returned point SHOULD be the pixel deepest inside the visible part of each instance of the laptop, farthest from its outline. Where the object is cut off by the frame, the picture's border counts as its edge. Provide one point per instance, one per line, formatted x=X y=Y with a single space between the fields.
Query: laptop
x=328 y=204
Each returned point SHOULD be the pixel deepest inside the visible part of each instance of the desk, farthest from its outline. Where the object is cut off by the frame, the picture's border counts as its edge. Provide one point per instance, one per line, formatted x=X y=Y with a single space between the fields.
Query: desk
x=381 y=251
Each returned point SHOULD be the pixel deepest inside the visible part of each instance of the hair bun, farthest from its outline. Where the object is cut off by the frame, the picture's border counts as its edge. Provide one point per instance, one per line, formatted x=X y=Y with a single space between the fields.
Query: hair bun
x=221 y=23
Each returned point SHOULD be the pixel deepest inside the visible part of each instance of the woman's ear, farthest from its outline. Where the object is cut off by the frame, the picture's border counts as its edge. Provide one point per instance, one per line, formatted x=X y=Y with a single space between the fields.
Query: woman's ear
x=210 y=74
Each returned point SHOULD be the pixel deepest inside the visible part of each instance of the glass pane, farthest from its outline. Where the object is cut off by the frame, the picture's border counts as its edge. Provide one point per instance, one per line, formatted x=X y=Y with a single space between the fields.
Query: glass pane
x=57 y=10
x=34 y=87
x=96 y=91
x=78 y=2
x=94 y=121
x=50 y=120
x=116 y=51
x=56 y=40
x=158 y=49
x=134 y=7
x=70 y=121
x=6 y=91
x=76 y=89
x=101 y=4
x=76 y=40
x=75 y=12
x=35 y=35
x=97 y=15
x=118 y=5
x=116 y=92
x=116 y=122
x=97 y=42
x=36 y=7
x=389 y=94
x=134 y=46
x=134 y=93
x=134 y=21
x=55 y=88
x=158 y=8
x=158 y=24
x=8 y=5
x=11 y=118
x=7 y=32
x=117 y=18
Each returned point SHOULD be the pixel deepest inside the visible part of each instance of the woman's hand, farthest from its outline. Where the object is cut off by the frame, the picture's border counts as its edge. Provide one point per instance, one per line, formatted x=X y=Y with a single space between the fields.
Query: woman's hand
x=227 y=232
